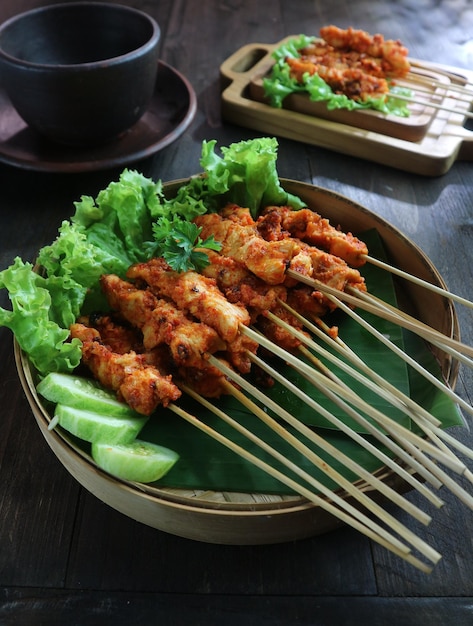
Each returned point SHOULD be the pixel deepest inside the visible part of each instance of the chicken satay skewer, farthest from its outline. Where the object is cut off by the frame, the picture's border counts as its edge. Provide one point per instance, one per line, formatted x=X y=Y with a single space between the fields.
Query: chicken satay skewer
x=200 y=297
x=351 y=489
x=394 y=546
x=309 y=226
x=160 y=321
x=140 y=384
x=153 y=273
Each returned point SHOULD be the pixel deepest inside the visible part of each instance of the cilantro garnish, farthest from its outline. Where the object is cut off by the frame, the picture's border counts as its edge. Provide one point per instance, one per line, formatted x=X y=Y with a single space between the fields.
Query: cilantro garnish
x=180 y=245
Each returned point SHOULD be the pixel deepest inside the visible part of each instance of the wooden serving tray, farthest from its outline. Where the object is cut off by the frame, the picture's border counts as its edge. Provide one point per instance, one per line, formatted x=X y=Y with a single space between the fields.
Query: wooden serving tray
x=427 y=142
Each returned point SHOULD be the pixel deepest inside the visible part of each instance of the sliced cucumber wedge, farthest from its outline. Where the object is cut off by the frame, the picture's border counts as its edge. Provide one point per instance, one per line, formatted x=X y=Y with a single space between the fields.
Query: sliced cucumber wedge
x=139 y=461
x=81 y=393
x=91 y=426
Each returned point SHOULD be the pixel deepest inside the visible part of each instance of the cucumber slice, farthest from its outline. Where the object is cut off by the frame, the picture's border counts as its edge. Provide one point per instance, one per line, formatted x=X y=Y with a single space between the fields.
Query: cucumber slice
x=81 y=393
x=93 y=427
x=139 y=461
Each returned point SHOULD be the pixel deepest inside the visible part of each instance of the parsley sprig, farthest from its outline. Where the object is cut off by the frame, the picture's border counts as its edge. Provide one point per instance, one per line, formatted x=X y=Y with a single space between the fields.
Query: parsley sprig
x=180 y=244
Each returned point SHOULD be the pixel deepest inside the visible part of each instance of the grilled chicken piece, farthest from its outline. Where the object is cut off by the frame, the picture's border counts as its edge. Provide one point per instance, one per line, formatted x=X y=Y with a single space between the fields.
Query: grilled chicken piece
x=240 y=286
x=277 y=223
x=392 y=54
x=194 y=293
x=136 y=382
x=306 y=259
x=161 y=322
x=241 y=241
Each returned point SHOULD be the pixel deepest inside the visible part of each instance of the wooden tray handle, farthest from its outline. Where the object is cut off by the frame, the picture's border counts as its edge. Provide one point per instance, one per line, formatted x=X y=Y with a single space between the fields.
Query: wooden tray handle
x=245 y=61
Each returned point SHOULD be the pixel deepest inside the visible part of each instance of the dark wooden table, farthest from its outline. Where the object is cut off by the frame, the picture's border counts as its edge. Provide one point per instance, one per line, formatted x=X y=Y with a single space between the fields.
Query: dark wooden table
x=67 y=558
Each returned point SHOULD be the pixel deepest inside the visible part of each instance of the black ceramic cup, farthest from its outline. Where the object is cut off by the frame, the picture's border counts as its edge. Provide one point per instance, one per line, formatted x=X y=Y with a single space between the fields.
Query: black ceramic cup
x=80 y=73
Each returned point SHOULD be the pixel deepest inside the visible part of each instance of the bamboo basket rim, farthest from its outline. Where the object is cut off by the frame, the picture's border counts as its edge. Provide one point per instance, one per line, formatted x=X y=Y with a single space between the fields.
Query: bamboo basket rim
x=179 y=500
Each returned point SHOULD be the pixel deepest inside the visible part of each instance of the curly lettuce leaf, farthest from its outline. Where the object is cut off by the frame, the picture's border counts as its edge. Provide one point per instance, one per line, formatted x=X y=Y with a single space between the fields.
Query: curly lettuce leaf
x=126 y=208
x=42 y=310
x=246 y=174
x=105 y=235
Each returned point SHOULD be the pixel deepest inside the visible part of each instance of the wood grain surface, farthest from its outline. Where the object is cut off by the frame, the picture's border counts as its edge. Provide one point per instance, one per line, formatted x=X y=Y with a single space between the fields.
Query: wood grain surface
x=65 y=557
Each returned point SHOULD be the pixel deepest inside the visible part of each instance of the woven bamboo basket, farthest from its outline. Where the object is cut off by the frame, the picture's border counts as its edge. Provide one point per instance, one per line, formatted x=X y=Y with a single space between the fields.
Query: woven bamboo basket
x=244 y=518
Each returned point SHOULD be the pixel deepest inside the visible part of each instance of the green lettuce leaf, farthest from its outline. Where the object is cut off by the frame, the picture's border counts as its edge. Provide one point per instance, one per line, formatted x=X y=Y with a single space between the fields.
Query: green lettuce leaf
x=42 y=310
x=246 y=174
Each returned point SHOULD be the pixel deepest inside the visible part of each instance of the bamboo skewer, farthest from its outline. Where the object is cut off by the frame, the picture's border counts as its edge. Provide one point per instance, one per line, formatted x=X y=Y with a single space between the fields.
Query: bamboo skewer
x=388 y=392
x=322 y=331
x=382 y=310
x=425 y=421
x=463 y=96
x=360 y=300
x=349 y=487
x=434 y=105
x=418 y=281
x=468 y=452
x=393 y=545
x=428 y=333
x=334 y=452
x=376 y=452
x=450 y=460
x=389 y=443
x=462 y=88
x=391 y=425
x=409 y=360
x=427 y=467
x=325 y=385
x=435 y=89
x=433 y=336
x=422 y=418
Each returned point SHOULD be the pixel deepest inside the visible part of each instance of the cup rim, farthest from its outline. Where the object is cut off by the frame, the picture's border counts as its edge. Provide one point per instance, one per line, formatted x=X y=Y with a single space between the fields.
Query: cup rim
x=148 y=45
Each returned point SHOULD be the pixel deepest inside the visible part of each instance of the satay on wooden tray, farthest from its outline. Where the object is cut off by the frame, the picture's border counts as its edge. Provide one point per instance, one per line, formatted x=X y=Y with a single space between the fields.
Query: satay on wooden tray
x=426 y=142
